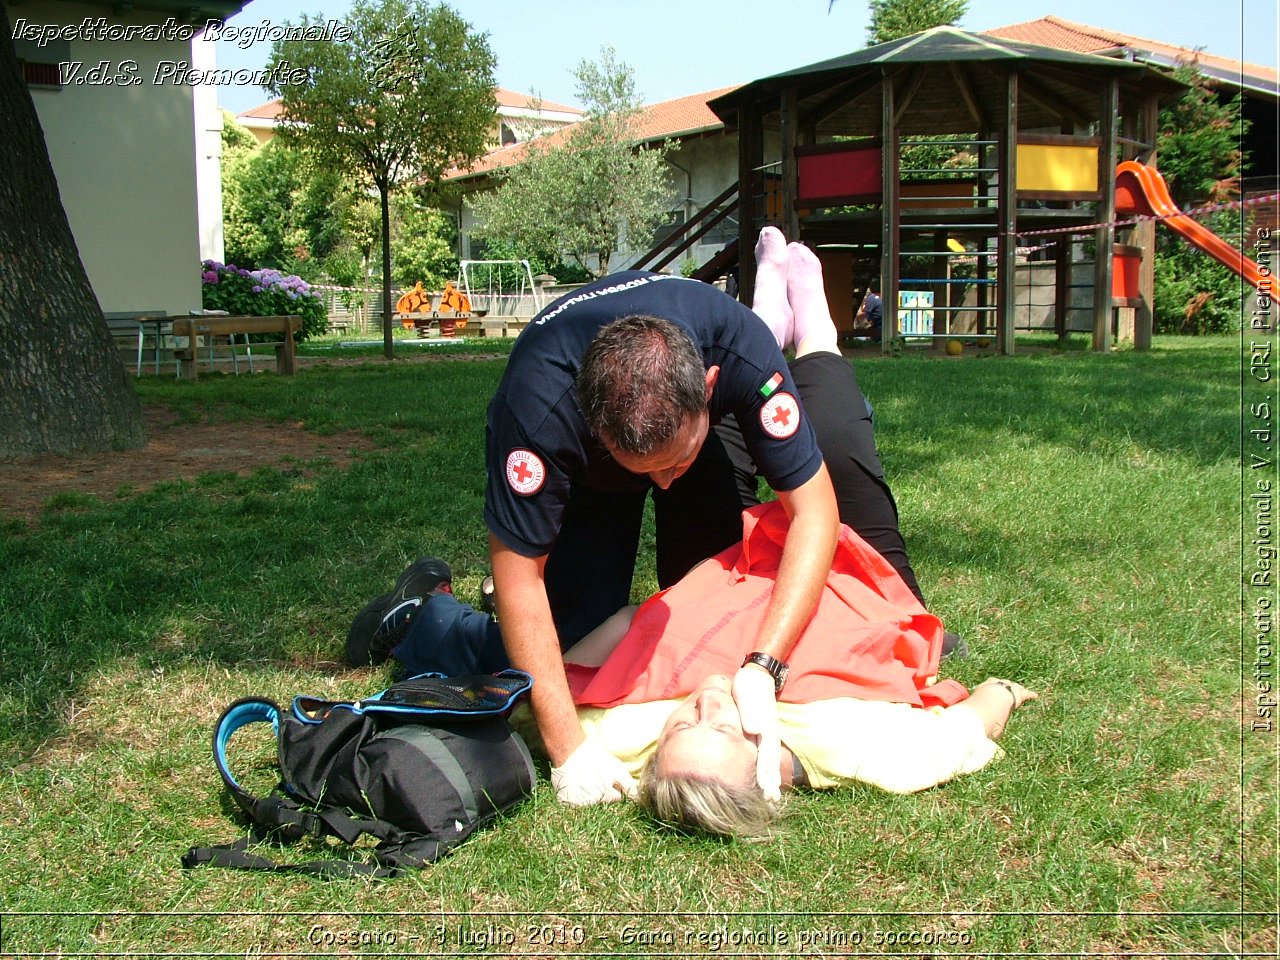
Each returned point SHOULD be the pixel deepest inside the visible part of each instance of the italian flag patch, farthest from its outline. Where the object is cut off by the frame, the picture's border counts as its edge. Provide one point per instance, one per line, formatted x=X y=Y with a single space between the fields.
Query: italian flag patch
x=770 y=385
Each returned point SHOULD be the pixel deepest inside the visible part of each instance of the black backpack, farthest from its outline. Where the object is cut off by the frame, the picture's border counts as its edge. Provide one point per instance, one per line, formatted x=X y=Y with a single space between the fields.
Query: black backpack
x=419 y=766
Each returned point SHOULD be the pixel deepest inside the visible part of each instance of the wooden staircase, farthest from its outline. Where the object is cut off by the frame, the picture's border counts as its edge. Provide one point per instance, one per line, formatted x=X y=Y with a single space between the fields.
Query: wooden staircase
x=704 y=221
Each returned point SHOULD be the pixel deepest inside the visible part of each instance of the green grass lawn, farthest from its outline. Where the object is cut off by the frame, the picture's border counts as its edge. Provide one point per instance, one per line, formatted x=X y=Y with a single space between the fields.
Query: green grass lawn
x=1077 y=517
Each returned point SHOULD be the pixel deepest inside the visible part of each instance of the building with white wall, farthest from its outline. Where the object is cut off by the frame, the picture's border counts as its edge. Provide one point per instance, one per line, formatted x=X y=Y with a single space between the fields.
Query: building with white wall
x=131 y=137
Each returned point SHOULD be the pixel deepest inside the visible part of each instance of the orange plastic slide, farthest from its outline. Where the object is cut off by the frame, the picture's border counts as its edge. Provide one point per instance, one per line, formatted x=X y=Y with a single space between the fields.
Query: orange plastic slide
x=1141 y=191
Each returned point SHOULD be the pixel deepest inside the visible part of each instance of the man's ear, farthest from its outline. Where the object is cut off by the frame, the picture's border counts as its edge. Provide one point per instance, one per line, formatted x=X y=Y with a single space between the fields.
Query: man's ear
x=713 y=374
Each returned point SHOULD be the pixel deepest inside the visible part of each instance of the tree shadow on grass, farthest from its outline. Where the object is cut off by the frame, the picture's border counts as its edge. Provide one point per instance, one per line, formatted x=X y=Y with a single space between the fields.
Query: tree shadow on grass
x=225 y=569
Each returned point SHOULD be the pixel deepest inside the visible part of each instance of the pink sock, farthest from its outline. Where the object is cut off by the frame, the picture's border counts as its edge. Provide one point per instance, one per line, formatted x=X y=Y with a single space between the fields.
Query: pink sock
x=770 y=300
x=814 y=328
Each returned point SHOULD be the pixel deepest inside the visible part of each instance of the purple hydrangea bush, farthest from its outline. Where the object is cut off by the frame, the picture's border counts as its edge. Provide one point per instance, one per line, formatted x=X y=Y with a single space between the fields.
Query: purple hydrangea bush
x=262 y=293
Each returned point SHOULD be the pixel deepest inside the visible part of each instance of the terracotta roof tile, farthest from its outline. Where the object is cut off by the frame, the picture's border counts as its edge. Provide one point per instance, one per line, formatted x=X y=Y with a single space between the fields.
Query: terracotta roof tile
x=670 y=118
x=270 y=110
x=512 y=98
x=1081 y=38
x=682 y=116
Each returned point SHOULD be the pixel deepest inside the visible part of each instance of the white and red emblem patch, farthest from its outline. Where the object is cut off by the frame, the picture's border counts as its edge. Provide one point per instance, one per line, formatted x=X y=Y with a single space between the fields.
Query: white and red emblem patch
x=525 y=472
x=780 y=416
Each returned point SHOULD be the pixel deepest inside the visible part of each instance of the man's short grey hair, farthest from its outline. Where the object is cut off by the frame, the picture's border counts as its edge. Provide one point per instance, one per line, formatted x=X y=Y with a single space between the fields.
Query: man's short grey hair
x=641 y=379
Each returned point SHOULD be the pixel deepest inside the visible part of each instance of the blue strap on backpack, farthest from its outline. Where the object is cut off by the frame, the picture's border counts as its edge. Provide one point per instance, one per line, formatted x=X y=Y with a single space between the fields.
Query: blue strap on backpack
x=420 y=766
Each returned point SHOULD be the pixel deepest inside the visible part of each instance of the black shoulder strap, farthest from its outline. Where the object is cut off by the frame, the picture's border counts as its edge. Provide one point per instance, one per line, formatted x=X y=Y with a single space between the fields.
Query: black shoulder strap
x=236 y=856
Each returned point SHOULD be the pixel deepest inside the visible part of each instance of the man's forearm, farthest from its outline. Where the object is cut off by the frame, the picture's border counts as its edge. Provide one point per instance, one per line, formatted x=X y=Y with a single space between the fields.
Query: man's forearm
x=806 y=560
x=529 y=635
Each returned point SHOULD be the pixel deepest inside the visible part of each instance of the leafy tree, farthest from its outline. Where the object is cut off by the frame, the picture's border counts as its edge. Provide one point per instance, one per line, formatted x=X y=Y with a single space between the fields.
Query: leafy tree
x=351 y=263
x=277 y=212
x=1198 y=143
x=1198 y=152
x=407 y=95
x=235 y=138
x=1194 y=294
x=894 y=19
x=62 y=385
x=424 y=245
x=590 y=190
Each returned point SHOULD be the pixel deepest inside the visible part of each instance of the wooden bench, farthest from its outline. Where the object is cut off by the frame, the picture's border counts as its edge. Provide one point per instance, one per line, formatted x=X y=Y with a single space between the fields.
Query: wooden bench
x=211 y=326
x=504 y=326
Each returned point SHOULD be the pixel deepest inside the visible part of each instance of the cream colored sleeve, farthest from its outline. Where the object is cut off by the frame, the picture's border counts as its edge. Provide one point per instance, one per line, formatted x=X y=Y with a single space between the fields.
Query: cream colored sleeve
x=893 y=746
x=629 y=731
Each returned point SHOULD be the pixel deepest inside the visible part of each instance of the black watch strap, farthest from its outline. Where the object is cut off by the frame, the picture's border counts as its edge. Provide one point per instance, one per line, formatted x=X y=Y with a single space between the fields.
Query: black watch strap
x=776 y=668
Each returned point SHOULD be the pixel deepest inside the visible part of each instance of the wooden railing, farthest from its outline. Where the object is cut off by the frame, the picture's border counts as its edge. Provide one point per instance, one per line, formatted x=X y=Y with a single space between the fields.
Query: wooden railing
x=706 y=220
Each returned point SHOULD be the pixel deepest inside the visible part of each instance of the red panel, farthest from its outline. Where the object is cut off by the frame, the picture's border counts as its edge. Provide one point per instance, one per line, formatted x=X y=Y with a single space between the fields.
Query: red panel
x=851 y=173
x=1125 y=270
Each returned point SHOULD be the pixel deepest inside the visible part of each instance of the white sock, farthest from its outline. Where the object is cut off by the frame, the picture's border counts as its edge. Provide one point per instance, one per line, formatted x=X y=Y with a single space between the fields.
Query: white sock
x=814 y=329
x=770 y=299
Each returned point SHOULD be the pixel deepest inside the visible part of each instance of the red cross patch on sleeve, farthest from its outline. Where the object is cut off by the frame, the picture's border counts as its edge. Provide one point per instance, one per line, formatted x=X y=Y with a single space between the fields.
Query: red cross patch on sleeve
x=780 y=416
x=525 y=472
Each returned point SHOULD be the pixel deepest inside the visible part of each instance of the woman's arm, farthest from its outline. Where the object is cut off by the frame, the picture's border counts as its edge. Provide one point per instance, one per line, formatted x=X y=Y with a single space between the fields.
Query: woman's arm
x=594 y=649
x=993 y=700
x=896 y=747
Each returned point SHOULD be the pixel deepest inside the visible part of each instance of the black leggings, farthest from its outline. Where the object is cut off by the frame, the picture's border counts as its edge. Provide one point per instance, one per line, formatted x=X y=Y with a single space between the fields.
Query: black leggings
x=842 y=421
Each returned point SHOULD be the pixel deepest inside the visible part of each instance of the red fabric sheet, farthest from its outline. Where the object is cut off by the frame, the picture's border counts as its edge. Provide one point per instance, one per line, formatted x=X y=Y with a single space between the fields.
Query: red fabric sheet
x=869 y=637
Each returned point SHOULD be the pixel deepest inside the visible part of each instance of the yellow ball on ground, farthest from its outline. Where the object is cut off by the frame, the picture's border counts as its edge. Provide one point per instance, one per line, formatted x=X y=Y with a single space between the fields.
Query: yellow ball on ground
x=954 y=348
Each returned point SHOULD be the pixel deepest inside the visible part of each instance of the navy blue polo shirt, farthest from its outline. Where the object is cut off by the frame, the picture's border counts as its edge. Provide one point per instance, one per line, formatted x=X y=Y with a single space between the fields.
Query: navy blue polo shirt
x=538 y=443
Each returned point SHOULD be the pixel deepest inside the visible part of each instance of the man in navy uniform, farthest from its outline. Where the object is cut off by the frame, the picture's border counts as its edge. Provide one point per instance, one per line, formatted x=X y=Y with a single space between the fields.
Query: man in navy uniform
x=635 y=384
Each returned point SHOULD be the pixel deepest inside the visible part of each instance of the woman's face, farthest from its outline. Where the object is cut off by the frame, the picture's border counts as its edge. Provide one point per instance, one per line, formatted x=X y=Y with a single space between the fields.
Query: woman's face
x=704 y=735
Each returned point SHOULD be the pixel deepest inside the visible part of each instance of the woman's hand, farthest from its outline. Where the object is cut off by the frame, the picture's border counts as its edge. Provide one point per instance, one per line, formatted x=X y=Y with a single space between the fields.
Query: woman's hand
x=1019 y=693
x=993 y=700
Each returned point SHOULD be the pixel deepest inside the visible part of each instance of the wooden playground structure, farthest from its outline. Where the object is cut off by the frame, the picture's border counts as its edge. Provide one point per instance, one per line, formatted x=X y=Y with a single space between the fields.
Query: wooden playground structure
x=844 y=155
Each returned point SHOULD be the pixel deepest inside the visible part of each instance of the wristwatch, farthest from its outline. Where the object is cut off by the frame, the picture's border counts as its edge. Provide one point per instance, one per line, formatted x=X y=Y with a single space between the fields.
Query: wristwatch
x=776 y=668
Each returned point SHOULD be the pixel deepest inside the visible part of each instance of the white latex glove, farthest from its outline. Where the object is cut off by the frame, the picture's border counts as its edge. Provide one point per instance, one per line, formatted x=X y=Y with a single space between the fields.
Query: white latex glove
x=591 y=775
x=753 y=692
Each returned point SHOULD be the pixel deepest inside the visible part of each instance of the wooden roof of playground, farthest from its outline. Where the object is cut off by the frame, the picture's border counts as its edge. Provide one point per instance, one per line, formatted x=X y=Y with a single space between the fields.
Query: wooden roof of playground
x=954 y=81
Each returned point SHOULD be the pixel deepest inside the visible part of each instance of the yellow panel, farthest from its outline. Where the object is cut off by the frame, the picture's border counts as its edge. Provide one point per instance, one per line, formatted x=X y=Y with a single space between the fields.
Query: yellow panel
x=1057 y=167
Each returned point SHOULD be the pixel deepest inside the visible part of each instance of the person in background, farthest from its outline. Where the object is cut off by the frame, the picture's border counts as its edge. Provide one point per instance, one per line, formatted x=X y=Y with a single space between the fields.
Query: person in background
x=871 y=313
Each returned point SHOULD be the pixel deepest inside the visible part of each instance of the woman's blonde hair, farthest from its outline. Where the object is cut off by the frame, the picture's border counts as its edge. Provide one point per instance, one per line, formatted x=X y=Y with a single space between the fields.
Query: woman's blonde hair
x=716 y=806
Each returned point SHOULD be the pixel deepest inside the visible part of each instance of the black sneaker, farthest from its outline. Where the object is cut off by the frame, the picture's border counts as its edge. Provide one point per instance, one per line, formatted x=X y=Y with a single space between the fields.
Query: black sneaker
x=954 y=647
x=424 y=577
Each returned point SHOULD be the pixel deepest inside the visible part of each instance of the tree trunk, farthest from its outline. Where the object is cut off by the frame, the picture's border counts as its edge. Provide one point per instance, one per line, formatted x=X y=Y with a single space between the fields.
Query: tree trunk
x=63 y=386
x=388 y=347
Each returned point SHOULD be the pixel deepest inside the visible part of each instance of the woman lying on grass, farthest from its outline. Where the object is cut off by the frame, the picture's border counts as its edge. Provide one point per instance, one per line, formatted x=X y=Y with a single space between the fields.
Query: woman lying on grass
x=857 y=707
x=861 y=702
